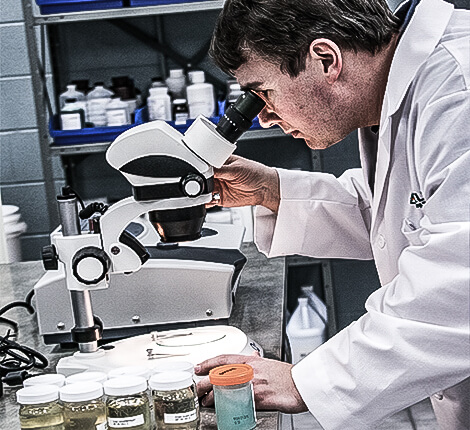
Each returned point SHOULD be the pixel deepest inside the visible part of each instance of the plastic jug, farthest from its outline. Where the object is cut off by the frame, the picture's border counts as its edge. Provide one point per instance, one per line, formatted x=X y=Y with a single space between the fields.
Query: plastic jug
x=306 y=329
x=97 y=100
x=72 y=93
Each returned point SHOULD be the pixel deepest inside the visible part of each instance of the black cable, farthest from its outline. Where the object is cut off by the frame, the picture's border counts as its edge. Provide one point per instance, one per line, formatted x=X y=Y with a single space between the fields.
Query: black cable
x=29 y=297
x=16 y=360
x=12 y=305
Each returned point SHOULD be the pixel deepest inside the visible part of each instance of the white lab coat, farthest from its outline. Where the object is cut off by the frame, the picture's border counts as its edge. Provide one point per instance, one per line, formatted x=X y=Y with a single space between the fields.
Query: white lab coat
x=414 y=339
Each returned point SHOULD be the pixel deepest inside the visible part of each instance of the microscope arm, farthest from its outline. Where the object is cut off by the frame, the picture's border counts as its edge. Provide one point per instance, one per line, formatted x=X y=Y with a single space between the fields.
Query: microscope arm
x=126 y=255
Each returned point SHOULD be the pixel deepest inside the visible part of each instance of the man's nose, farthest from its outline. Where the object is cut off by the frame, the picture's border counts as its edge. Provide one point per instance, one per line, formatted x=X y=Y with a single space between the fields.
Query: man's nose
x=267 y=118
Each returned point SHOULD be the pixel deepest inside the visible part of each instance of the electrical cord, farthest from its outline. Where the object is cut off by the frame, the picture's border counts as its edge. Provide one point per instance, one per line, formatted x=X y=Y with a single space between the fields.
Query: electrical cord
x=16 y=359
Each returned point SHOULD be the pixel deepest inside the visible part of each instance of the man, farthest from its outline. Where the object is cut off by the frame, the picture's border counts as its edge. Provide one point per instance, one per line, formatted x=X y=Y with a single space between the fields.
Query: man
x=324 y=69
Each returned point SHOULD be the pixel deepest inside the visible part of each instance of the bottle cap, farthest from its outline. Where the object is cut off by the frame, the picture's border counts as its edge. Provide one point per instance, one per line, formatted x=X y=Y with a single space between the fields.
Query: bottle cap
x=235 y=87
x=158 y=90
x=197 y=76
x=71 y=87
x=174 y=366
x=81 y=392
x=142 y=371
x=47 y=379
x=70 y=100
x=231 y=374
x=179 y=101
x=125 y=385
x=86 y=377
x=169 y=381
x=37 y=394
x=99 y=84
x=176 y=73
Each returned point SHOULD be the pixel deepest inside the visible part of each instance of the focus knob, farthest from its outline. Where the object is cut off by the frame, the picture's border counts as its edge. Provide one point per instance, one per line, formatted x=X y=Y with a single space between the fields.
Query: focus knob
x=192 y=185
x=50 y=259
x=90 y=265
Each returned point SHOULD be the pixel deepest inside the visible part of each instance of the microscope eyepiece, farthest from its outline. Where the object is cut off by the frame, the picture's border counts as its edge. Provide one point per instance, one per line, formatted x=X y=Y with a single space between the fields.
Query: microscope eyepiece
x=238 y=118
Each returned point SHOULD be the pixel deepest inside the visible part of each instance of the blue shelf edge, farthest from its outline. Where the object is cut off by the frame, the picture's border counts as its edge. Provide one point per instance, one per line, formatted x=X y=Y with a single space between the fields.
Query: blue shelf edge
x=108 y=134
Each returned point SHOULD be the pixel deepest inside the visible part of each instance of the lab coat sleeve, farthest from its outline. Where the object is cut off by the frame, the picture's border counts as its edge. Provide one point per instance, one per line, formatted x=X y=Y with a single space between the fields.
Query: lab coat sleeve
x=319 y=216
x=414 y=339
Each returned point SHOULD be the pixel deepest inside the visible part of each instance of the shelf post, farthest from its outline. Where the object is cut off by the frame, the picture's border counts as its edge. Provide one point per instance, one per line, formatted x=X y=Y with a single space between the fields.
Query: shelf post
x=39 y=83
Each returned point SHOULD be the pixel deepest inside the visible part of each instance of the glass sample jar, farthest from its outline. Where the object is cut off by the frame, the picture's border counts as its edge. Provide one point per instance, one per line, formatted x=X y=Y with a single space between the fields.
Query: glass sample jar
x=233 y=396
x=179 y=366
x=127 y=403
x=40 y=408
x=56 y=379
x=174 y=401
x=84 y=407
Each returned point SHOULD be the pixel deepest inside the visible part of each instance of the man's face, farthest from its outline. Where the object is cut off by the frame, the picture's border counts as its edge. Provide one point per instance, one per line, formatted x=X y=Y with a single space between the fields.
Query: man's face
x=304 y=106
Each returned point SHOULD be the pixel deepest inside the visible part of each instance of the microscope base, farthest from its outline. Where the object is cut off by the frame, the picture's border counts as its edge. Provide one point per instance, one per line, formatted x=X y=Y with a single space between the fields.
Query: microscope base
x=193 y=344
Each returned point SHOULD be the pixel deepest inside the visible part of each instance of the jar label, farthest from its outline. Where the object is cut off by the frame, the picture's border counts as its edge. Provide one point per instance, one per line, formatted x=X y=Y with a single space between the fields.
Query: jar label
x=120 y=423
x=183 y=417
x=102 y=426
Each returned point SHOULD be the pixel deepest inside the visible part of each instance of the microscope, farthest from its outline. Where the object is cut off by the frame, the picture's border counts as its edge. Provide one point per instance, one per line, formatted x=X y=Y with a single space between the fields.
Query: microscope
x=172 y=181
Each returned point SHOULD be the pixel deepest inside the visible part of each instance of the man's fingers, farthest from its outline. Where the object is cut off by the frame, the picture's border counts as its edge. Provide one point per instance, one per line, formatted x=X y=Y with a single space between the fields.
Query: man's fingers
x=203 y=387
x=204 y=367
x=208 y=399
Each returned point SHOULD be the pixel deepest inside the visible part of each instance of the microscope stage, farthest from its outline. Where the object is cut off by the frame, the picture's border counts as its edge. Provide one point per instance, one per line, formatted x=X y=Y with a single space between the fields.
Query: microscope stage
x=193 y=344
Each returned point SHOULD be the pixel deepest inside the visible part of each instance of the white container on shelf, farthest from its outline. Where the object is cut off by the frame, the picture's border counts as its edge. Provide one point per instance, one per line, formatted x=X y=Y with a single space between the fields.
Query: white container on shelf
x=200 y=96
x=97 y=101
x=72 y=115
x=73 y=93
x=306 y=329
x=117 y=113
x=159 y=104
x=176 y=83
x=13 y=227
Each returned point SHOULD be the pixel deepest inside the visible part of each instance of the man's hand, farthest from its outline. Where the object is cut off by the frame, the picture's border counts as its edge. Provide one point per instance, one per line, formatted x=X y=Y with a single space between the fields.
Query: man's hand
x=273 y=385
x=242 y=182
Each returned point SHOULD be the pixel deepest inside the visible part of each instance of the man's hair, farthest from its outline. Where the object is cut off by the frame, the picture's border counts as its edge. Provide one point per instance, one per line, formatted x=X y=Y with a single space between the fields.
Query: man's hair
x=280 y=31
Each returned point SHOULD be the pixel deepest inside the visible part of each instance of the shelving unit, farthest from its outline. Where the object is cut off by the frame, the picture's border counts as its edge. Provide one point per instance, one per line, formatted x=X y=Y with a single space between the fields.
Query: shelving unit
x=35 y=20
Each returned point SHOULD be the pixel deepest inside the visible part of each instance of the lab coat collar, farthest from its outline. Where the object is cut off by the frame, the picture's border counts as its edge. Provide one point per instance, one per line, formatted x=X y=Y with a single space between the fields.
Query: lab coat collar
x=417 y=42
x=419 y=39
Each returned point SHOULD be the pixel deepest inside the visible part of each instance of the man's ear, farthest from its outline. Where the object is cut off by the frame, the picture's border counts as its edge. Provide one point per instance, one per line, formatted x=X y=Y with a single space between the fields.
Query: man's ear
x=329 y=55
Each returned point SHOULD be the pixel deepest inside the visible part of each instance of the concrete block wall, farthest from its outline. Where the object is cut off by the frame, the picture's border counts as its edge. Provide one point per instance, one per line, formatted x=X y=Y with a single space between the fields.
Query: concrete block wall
x=21 y=174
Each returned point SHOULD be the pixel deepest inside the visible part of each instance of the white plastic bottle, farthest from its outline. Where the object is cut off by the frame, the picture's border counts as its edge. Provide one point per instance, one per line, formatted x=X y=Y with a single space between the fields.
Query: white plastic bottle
x=117 y=113
x=176 y=83
x=159 y=104
x=201 y=98
x=97 y=100
x=234 y=92
x=306 y=330
x=72 y=115
x=71 y=93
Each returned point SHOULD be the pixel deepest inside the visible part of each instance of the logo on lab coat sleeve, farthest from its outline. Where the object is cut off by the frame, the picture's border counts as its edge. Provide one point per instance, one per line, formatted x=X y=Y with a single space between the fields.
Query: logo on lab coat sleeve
x=417 y=199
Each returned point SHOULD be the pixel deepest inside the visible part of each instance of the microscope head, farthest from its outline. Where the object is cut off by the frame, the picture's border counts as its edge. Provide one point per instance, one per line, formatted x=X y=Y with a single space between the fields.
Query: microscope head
x=172 y=174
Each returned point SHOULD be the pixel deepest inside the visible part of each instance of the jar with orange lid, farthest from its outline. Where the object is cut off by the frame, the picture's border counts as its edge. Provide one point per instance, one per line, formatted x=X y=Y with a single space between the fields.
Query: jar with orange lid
x=233 y=396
